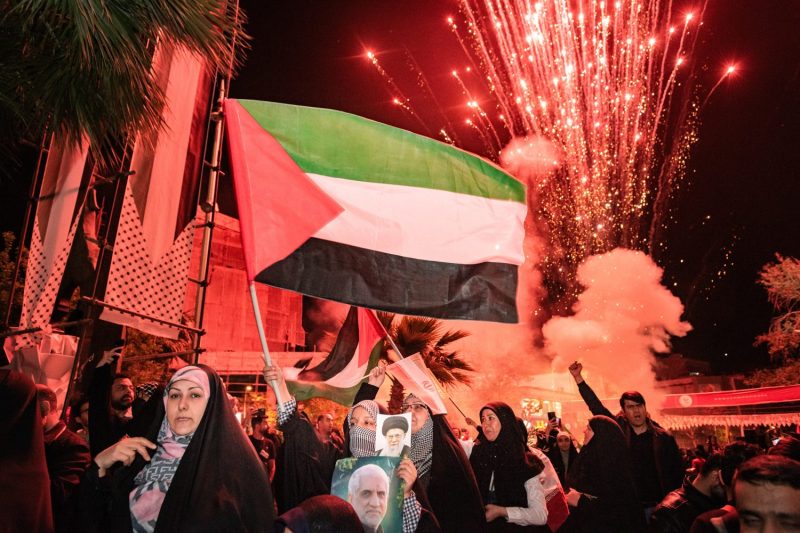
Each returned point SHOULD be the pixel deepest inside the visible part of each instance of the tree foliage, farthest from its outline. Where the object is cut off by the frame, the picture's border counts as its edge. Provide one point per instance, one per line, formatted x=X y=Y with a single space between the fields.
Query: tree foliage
x=8 y=261
x=83 y=67
x=786 y=374
x=781 y=279
x=138 y=343
x=428 y=337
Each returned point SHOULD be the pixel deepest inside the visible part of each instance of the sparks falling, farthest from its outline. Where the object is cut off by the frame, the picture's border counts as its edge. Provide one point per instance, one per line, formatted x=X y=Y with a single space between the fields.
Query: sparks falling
x=609 y=83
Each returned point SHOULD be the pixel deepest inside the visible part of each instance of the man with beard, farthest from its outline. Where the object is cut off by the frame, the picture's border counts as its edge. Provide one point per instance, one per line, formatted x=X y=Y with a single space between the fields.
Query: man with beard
x=262 y=442
x=678 y=510
x=112 y=413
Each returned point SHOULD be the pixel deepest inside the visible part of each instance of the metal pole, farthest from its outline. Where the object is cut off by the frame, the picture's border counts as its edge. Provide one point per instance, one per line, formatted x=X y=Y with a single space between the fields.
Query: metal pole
x=209 y=208
x=263 y=338
x=33 y=199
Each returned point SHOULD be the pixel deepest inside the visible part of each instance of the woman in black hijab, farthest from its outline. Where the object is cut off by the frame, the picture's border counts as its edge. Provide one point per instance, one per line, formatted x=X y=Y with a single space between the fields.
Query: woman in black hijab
x=603 y=496
x=193 y=471
x=444 y=475
x=509 y=475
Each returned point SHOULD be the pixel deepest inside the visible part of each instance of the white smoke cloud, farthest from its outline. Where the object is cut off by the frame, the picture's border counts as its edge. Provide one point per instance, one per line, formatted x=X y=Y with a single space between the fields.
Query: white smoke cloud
x=530 y=158
x=624 y=316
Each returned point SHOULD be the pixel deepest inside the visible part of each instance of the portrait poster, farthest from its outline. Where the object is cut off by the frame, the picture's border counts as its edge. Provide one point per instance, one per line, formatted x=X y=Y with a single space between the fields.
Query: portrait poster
x=369 y=484
x=393 y=435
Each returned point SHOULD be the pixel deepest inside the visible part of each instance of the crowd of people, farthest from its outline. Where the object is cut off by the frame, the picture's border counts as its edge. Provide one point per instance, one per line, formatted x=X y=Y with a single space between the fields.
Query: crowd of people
x=174 y=457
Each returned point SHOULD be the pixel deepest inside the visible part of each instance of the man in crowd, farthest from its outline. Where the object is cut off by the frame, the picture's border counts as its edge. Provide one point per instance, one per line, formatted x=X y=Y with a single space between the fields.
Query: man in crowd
x=67 y=457
x=767 y=495
x=262 y=441
x=323 y=427
x=110 y=401
x=368 y=493
x=678 y=510
x=80 y=414
x=725 y=518
x=656 y=459
x=114 y=411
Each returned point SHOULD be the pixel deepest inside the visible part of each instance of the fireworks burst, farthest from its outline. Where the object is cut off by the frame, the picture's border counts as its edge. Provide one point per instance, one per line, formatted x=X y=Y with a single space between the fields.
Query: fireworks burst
x=609 y=84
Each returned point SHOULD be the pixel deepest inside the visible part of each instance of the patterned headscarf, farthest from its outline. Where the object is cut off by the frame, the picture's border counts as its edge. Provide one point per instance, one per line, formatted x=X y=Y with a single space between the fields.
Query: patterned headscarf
x=362 y=440
x=421 y=441
x=152 y=482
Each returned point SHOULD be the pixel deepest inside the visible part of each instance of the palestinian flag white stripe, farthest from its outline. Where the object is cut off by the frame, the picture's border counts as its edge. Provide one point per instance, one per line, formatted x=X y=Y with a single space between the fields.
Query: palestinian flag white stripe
x=433 y=225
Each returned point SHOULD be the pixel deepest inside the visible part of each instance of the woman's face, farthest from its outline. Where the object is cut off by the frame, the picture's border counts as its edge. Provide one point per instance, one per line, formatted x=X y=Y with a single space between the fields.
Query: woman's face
x=362 y=418
x=587 y=434
x=419 y=414
x=490 y=424
x=186 y=403
x=394 y=438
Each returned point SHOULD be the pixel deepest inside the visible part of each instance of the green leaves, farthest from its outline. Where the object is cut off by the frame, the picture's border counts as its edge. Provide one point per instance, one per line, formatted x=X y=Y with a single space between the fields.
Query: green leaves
x=84 y=66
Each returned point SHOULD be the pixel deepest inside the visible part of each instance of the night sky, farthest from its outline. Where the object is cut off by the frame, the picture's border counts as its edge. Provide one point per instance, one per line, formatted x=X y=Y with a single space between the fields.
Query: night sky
x=738 y=206
x=736 y=210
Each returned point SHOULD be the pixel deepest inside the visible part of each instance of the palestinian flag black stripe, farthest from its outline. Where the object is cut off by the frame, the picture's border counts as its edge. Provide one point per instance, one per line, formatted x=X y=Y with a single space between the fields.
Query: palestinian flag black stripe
x=398 y=284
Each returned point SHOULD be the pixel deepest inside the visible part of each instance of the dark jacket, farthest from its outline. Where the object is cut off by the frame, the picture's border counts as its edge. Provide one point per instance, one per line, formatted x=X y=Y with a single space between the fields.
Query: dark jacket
x=603 y=475
x=24 y=483
x=105 y=428
x=678 y=510
x=669 y=466
x=67 y=458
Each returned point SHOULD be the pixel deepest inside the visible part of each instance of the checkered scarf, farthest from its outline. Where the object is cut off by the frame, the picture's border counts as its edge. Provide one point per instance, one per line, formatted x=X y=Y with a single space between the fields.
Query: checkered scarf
x=362 y=440
x=422 y=443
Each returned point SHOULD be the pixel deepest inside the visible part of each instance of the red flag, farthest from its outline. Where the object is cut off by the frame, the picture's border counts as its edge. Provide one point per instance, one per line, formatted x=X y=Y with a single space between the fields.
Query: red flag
x=279 y=206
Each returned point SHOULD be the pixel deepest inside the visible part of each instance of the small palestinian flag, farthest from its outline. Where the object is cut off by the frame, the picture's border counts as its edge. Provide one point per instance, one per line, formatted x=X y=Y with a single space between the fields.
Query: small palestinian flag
x=339 y=376
x=340 y=207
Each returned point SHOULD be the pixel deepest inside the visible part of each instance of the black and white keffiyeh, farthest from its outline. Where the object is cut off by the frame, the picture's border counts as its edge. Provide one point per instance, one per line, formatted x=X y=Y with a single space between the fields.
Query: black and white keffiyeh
x=362 y=440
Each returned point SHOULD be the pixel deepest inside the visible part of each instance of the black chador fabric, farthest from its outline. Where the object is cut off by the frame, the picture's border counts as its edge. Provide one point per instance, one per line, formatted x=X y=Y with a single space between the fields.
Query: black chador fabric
x=24 y=482
x=302 y=470
x=449 y=488
x=603 y=474
x=219 y=485
x=510 y=461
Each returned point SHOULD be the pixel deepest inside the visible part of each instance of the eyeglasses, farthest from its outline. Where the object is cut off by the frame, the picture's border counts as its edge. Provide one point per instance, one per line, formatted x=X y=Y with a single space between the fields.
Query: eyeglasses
x=414 y=407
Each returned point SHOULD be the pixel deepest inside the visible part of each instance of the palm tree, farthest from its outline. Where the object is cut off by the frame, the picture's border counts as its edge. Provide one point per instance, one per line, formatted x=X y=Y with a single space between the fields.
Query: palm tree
x=80 y=68
x=427 y=336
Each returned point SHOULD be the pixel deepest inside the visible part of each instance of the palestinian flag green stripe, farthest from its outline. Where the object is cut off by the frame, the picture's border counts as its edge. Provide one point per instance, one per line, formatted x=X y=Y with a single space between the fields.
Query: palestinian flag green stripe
x=378 y=153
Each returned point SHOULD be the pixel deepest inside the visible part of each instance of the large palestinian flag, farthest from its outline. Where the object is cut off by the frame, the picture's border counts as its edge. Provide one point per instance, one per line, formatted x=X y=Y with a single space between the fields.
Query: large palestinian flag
x=339 y=376
x=344 y=208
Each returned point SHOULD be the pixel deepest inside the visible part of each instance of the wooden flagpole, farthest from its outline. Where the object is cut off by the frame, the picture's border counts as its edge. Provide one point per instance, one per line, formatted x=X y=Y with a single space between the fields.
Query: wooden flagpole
x=263 y=338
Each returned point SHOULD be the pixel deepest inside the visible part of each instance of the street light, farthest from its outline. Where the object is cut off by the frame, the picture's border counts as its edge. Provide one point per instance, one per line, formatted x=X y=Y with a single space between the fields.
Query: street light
x=246 y=416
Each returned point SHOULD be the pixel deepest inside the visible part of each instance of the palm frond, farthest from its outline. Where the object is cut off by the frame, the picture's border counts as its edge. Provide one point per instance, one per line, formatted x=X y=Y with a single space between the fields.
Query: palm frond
x=85 y=66
x=451 y=336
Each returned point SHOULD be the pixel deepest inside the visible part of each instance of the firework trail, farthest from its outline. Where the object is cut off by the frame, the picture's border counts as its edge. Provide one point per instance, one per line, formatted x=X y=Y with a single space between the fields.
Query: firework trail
x=610 y=84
